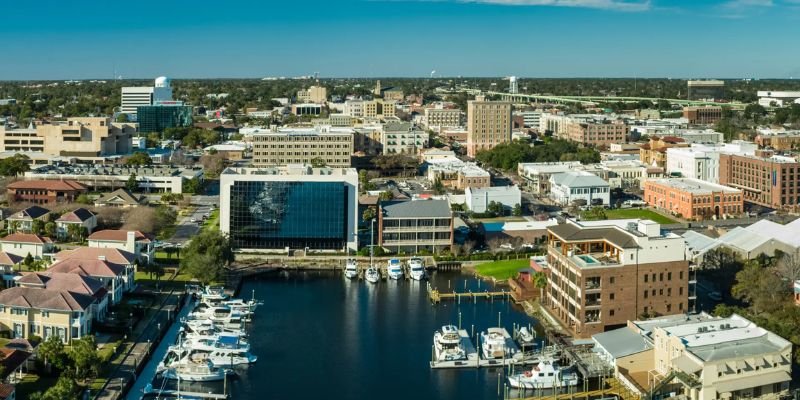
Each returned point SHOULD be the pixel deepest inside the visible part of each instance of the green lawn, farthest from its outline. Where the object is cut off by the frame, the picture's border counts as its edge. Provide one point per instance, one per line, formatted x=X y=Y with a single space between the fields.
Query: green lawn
x=213 y=220
x=627 y=213
x=32 y=383
x=502 y=269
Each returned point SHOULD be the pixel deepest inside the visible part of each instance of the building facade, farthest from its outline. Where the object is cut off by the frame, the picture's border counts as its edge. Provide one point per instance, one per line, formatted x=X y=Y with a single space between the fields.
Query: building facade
x=478 y=199
x=290 y=208
x=597 y=134
x=403 y=138
x=603 y=275
x=693 y=199
x=314 y=94
x=133 y=97
x=705 y=115
x=568 y=187
x=27 y=312
x=411 y=226
x=764 y=178
x=436 y=118
x=322 y=145
x=705 y=89
x=75 y=137
x=45 y=191
x=163 y=115
x=488 y=124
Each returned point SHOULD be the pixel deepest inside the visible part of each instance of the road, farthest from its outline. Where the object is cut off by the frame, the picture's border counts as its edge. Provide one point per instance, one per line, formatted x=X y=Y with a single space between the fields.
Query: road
x=185 y=228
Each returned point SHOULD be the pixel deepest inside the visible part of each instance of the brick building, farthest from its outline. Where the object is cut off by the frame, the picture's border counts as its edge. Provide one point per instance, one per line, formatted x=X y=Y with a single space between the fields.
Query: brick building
x=693 y=198
x=602 y=274
x=45 y=191
x=705 y=115
x=765 y=179
x=654 y=152
x=597 y=134
x=488 y=124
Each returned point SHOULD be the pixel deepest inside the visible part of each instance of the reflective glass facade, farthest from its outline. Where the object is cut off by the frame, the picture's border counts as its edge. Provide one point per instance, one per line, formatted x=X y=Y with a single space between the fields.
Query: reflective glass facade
x=279 y=214
x=159 y=117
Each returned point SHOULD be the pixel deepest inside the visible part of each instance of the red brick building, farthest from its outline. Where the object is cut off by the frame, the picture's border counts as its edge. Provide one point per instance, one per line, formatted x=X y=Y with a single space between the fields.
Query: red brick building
x=693 y=199
x=45 y=191
x=764 y=178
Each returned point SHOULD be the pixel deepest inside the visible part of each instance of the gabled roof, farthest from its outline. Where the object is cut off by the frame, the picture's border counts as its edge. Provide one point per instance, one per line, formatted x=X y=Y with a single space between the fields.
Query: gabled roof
x=32 y=212
x=416 y=209
x=119 y=196
x=47 y=299
x=9 y=259
x=78 y=215
x=11 y=360
x=87 y=268
x=26 y=238
x=75 y=283
x=117 y=235
x=44 y=184
x=112 y=255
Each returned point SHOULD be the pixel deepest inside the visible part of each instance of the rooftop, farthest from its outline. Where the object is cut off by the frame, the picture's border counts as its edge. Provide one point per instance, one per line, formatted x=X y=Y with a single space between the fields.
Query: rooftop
x=416 y=209
x=77 y=215
x=117 y=235
x=291 y=169
x=694 y=186
x=112 y=255
x=113 y=170
x=621 y=342
x=32 y=212
x=577 y=179
x=25 y=238
x=65 y=185
x=60 y=300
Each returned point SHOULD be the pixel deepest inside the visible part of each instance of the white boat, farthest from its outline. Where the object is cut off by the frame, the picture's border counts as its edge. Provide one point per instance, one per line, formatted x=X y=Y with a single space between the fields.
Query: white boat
x=447 y=344
x=416 y=269
x=223 y=342
x=177 y=354
x=547 y=374
x=245 y=307
x=202 y=371
x=372 y=275
x=206 y=327
x=493 y=344
x=525 y=336
x=395 y=269
x=351 y=269
x=220 y=314
x=213 y=294
x=232 y=325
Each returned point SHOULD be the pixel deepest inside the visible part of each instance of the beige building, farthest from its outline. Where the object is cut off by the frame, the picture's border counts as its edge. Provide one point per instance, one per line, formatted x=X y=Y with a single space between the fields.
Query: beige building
x=26 y=312
x=314 y=94
x=77 y=137
x=403 y=138
x=488 y=124
x=331 y=146
x=597 y=134
x=442 y=118
x=393 y=94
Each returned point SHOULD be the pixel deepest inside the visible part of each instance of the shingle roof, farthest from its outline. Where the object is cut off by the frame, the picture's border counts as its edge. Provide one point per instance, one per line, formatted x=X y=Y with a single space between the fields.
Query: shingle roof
x=47 y=185
x=78 y=215
x=416 y=209
x=570 y=232
x=45 y=299
x=26 y=238
x=120 y=196
x=115 y=256
x=9 y=259
x=32 y=212
x=12 y=359
x=6 y=390
x=88 y=268
x=75 y=283
x=117 y=235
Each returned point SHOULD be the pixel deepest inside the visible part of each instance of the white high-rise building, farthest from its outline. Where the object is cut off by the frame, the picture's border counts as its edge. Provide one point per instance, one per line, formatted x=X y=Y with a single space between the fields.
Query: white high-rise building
x=133 y=97
x=513 y=85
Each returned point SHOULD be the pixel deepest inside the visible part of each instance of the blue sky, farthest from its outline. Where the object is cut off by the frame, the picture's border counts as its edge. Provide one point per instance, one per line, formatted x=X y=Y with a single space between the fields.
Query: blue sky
x=56 y=39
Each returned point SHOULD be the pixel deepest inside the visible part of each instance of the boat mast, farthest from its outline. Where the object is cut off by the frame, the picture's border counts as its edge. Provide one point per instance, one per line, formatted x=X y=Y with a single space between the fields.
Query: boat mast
x=371 y=240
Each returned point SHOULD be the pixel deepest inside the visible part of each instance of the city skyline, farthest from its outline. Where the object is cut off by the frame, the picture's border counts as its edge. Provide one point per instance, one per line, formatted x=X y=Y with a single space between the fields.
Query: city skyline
x=404 y=38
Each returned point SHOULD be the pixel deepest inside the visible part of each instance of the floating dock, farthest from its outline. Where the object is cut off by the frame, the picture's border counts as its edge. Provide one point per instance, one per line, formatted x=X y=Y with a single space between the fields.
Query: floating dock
x=179 y=394
x=476 y=360
x=436 y=296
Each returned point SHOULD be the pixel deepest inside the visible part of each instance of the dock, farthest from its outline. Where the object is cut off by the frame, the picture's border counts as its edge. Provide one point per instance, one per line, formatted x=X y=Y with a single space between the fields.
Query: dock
x=183 y=393
x=476 y=360
x=472 y=360
x=436 y=296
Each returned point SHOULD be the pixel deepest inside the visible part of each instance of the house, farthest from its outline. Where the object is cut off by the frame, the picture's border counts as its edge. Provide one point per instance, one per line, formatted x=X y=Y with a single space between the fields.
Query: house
x=567 y=187
x=110 y=274
x=109 y=256
x=26 y=312
x=23 y=220
x=74 y=283
x=45 y=191
x=121 y=198
x=479 y=199
x=8 y=262
x=83 y=219
x=14 y=364
x=22 y=244
x=131 y=241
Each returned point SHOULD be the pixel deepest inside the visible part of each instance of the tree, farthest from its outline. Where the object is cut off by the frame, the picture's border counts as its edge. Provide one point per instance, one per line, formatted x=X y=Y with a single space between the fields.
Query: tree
x=50 y=229
x=495 y=209
x=52 y=351
x=318 y=162
x=438 y=187
x=369 y=214
x=788 y=267
x=83 y=198
x=139 y=158
x=517 y=211
x=14 y=165
x=83 y=354
x=64 y=389
x=540 y=281
x=131 y=183
x=386 y=195
x=75 y=232
x=207 y=255
x=760 y=287
x=122 y=118
x=213 y=165
x=37 y=226
x=754 y=112
x=28 y=261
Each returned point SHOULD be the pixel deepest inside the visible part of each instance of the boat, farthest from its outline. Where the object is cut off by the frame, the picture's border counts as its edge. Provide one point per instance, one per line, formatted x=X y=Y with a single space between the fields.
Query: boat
x=526 y=337
x=218 y=314
x=416 y=269
x=201 y=371
x=351 y=269
x=213 y=294
x=447 y=344
x=546 y=374
x=222 y=342
x=232 y=325
x=372 y=275
x=177 y=354
x=493 y=344
x=206 y=327
x=394 y=269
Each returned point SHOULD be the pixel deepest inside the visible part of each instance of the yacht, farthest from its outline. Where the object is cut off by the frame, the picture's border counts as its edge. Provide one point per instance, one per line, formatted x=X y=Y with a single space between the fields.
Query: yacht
x=244 y=307
x=194 y=371
x=213 y=294
x=526 y=337
x=372 y=275
x=178 y=354
x=206 y=327
x=234 y=324
x=493 y=344
x=220 y=314
x=395 y=269
x=447 y=344
x=547 y=374
x=351 y=269
x=223 y=342
x=416 y=269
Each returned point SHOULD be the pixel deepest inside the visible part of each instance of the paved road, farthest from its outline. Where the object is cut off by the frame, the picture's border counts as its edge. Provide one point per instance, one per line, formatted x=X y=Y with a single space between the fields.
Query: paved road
x=188 y=226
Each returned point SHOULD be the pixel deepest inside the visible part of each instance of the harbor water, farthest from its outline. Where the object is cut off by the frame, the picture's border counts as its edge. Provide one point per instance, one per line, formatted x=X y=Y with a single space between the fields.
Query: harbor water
x=318 y=335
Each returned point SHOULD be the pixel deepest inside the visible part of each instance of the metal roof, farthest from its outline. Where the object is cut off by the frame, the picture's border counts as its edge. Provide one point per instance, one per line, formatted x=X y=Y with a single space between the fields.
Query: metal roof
x=621 y=342
x=416 y=209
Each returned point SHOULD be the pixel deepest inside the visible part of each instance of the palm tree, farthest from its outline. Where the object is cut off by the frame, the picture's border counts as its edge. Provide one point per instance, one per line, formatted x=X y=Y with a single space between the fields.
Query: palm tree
x=540 y=281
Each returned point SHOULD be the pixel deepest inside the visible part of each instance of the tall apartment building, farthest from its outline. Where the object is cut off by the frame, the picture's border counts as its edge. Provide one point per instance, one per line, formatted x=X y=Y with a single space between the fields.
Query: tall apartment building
x=290 y=208
x=75 y=137
x=411 y=226
x=693 y=199
x=488 y=124
x=403 y=138
x=602 y=275
x=314 y=94
x=331 y=146
x=597 y=134
x=705 y=115
x=765 y=179
x=133 y=97
x=705 y=89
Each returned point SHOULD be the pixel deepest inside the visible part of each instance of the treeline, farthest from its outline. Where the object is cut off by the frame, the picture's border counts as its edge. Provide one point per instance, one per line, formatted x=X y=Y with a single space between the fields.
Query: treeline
x=506 y=156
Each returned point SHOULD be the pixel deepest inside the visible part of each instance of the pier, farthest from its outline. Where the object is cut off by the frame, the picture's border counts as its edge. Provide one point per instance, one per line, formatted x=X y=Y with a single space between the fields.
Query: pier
x=436 y=296
x=178 y=394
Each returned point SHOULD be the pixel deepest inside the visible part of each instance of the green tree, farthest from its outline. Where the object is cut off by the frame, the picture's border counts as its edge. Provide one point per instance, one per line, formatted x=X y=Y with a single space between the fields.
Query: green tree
x=207 y=255
x=517 y=211
x=122 y=118
x=754 y=112
x=50 y=229
x=438 y=187
x=760 y=287
x=28 y=261
x=192 y=185
x=84 y=356
x=83 y=198
x=64 y=389
x=14 y=165
x=318 y=162
x=51 y=350
x=139 y=158
x=369 y=214
x=131 y=183
x=386 y=195
x=540 y=281
x=37 y=226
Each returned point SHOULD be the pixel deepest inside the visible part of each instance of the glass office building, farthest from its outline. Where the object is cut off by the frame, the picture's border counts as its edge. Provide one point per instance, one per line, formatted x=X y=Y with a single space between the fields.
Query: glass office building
x=158 y=117
x=293 y=214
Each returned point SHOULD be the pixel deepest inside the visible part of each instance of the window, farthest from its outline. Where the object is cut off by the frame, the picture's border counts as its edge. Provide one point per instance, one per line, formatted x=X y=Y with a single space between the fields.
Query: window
x=661 y=277
x=611 y=280
x=645 y=278
x=645 y=293
x=611 y=313
x=669 y=276
x=611 y=296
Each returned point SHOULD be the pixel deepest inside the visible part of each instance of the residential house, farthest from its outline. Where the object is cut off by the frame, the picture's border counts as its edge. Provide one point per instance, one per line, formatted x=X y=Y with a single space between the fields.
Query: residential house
x=22 y=221
x=74 y=283
x=567 y=187
x=8 y=392
x=84 y=220
x=26 y=312
x=121 y=198
x=131 y=241
x=22 y=244
x=8 y=262
x=111 y=257
x=110 y=274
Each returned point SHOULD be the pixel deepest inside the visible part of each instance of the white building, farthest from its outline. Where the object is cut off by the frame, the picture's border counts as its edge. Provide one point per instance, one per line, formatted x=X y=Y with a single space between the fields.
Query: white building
x=22 y=244
x=629 y=173
x=289 y=208
x=436 y=118
x=403 y=138
x=537 y=175
x=567 y=187
x=154 y=178
x=133 y=97
x=769 y=98
x=532 y=119
x=134 y=242
x=478 y=199
x=701 y=161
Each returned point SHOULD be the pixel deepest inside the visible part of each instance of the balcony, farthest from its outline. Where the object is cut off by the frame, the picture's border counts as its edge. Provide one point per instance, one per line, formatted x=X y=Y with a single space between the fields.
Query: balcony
x=592 y=317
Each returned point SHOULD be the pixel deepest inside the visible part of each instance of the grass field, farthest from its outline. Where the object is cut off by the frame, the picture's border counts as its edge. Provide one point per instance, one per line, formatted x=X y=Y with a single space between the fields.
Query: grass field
x=627 y=213
x=503 y=269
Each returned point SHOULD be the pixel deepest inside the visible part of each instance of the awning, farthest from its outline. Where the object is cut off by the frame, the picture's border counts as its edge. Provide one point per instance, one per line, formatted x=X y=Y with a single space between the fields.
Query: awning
x=752 y=381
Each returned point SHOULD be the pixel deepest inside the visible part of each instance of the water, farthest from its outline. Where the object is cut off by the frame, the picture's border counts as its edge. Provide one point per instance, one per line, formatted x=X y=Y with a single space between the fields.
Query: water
x=320 y=335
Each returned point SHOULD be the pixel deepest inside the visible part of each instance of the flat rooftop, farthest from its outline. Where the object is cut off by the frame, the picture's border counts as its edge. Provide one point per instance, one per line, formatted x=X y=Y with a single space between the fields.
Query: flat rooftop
x=111 y=170
x=291 y=169
x=694 y=186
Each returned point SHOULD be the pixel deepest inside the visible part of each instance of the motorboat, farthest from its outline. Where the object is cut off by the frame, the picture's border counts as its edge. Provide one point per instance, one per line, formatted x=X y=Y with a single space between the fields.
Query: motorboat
x=416 y=269
x=220 y=314
x=546 y=374
x=223 y=342
x=201 y=371
x=447 y=344
x=526 y=337
x=372 y=275
x=206 y=327
x=178 y=354
x=213 y=294
x=493 y=344
x=351 y=269
x=233 y=325
x=395 y=269
x=245 y=307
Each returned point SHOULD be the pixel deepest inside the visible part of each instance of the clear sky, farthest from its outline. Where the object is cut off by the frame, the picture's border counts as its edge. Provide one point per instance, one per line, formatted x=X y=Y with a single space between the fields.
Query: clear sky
x=58 y=39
